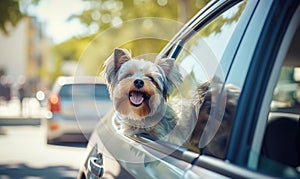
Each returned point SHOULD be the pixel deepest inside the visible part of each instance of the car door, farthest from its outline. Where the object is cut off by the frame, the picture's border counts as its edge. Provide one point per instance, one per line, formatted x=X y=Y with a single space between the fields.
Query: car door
x=255 y=70
x=202 y=45
x=223 y=44
x=141 y=156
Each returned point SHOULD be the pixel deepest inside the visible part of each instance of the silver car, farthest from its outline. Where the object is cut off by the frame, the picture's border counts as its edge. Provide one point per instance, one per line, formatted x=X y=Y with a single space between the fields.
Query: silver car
x=251 y=45
x=76 y=104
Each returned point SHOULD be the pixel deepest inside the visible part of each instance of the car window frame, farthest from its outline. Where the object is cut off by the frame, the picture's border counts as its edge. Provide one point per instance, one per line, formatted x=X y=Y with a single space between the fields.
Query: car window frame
x=235 y=167
x=279 y=61
x=248 y=116
x=201 y=19
x=171 y=150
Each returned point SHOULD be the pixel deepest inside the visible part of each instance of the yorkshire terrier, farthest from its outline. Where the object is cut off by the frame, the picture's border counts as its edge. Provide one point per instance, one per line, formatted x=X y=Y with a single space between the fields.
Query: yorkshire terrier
x=139 y=91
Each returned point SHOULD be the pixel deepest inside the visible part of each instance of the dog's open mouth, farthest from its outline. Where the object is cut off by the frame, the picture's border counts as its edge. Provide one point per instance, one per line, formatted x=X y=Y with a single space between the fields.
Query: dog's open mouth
x=137 y=97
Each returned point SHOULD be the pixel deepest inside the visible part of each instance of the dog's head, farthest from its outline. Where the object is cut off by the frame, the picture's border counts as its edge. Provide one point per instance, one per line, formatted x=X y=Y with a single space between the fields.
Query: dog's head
x=139 y=88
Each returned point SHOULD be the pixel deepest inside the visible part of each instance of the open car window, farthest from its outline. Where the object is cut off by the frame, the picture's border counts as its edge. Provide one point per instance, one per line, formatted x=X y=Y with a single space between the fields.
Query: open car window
x=204 y=70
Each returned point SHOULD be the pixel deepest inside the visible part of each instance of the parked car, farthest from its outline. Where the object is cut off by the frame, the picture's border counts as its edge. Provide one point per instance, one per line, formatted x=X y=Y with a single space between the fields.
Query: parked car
x=240 y=43
x=77 y=104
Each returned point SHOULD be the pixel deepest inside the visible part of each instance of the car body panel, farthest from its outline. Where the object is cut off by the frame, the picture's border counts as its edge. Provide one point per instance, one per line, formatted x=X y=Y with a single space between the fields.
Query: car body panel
x=140 y=161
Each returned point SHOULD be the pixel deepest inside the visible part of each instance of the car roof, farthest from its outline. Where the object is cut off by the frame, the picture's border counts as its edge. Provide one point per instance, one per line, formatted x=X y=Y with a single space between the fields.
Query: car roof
x=62 y=80
x=68 y=80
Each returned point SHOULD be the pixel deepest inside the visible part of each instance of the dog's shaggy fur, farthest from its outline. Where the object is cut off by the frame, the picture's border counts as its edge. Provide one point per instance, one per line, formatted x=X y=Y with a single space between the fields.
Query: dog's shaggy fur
x=211 y=133
x=139 y=90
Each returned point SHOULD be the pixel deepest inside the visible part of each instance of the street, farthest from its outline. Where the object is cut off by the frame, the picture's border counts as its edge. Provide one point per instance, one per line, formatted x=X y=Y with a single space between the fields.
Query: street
x=25 y=154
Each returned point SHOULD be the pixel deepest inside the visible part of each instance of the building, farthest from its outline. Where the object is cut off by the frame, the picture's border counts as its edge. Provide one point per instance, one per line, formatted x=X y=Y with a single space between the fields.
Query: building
x=23 y=53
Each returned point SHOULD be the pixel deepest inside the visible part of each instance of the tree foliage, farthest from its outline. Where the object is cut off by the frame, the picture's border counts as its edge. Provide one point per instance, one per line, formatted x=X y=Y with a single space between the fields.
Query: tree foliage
x=109 y=16
x=107 y=13
x=109 y=19
x=11 y=13
x=71 y=50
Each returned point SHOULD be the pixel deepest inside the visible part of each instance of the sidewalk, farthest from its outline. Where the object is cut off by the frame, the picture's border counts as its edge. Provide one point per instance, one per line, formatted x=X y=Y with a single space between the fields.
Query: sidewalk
x=11 y=114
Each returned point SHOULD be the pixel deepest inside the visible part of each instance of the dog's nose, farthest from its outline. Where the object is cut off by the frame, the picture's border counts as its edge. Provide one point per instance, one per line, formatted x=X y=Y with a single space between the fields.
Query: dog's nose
x=138 y=83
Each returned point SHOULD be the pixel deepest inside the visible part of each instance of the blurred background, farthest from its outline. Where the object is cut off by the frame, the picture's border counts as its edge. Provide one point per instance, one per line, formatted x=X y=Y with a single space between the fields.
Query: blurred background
x=41 y=40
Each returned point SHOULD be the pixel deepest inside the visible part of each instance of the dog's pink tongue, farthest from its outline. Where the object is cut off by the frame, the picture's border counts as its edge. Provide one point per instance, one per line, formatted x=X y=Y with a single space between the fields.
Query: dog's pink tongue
x=136 y=98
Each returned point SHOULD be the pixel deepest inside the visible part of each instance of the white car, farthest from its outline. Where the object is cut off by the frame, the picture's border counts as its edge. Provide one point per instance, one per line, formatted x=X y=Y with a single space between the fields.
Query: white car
x=76 y=103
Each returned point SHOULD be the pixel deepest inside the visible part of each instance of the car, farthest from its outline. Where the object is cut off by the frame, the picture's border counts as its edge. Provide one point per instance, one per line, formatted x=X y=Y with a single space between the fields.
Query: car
x=250 y=46
x=76 y=104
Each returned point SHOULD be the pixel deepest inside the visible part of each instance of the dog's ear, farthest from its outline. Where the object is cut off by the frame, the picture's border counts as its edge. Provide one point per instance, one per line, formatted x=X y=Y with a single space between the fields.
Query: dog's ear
x=200 y=93
x=114 y=62
x=120 y=57
x=171 y=70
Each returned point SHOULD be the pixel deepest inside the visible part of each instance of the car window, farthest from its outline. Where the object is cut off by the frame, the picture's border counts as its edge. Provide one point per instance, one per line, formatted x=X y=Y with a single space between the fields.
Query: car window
x=280 y=152
x=204 y=70
x=80 y=91
x=200 y=102
x=200 y=57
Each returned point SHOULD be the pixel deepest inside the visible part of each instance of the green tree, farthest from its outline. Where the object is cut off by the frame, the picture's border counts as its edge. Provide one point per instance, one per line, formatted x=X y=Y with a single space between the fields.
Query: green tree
x=106 y=13
x=72 y=49
x=11 y=13
x=111 y=14
x=109 y=19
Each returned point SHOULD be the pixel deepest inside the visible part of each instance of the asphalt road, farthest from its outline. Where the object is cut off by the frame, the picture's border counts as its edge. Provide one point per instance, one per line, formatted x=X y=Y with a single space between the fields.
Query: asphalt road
x=25 y=154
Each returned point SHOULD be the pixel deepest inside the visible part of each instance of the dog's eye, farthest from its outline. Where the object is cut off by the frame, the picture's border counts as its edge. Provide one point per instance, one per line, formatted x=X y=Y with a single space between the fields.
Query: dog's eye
x=127 y=75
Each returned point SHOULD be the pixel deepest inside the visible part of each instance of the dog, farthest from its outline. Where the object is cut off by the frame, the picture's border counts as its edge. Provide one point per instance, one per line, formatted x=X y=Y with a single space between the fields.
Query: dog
x=211 y=135
x=139 y=90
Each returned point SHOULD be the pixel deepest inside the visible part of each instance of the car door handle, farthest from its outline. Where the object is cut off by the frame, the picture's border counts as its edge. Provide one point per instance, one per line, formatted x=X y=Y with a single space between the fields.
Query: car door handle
x=96 y=165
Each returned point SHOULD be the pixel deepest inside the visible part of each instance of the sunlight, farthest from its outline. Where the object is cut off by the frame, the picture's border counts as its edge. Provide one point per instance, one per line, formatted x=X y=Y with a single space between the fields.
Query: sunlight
x=54 y=16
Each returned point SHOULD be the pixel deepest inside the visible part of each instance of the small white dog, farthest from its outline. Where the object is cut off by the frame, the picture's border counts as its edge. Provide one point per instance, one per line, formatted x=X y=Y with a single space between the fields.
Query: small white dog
x=139 y=91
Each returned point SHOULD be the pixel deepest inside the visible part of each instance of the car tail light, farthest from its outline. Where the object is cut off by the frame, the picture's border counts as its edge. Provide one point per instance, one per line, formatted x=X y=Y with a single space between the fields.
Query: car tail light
x=54 y=103
x=53 y=126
